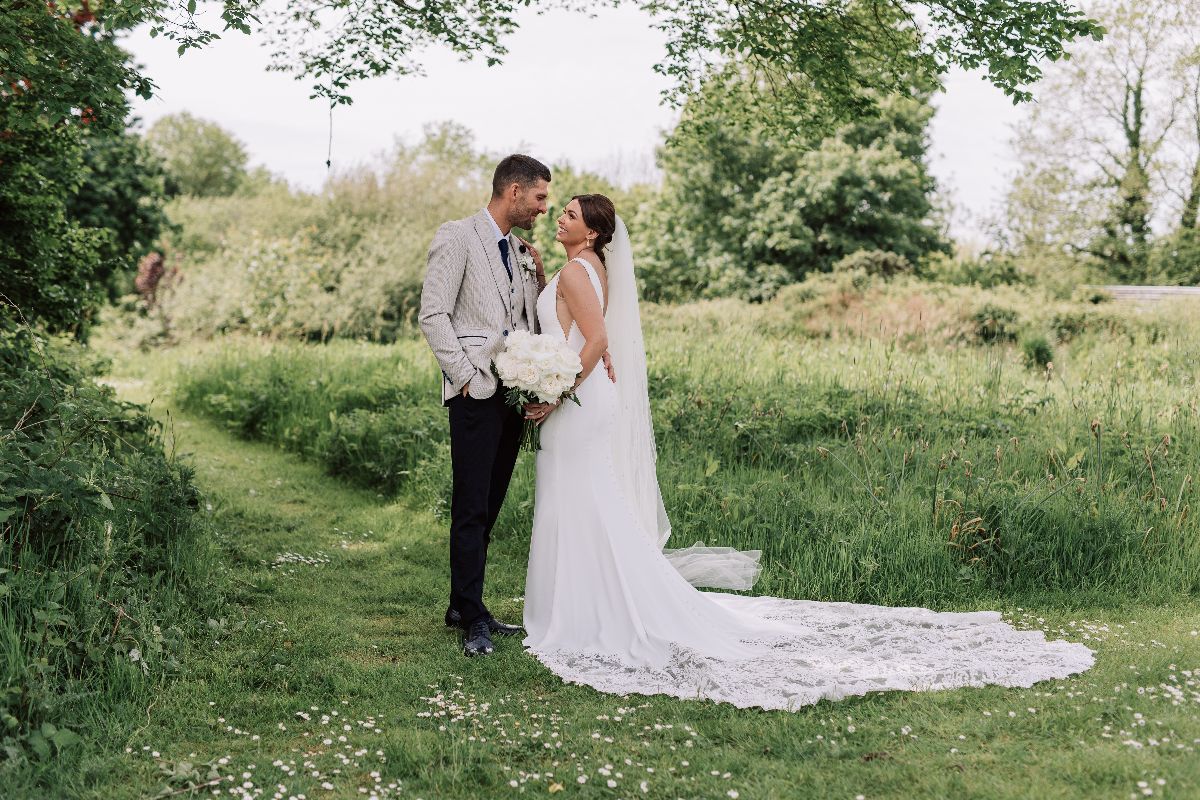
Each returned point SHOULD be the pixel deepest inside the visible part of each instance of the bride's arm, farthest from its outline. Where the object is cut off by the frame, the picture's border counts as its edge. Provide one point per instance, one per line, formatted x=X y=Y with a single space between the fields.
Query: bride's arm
x=584 y=305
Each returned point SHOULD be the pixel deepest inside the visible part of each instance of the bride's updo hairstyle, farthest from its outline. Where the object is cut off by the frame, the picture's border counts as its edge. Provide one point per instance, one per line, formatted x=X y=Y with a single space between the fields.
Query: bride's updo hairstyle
x=600 y=215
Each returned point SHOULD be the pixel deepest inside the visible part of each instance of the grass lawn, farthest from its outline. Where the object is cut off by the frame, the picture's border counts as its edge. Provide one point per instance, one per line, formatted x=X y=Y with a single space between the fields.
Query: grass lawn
x=331 y=676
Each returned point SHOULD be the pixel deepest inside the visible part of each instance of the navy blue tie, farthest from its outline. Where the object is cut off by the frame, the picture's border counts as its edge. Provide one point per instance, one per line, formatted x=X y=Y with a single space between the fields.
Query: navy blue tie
x=504 y=257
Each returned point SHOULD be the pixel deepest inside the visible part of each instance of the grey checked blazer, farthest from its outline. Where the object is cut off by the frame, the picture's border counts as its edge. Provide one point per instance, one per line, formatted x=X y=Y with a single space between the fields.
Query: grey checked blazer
x=467 y=303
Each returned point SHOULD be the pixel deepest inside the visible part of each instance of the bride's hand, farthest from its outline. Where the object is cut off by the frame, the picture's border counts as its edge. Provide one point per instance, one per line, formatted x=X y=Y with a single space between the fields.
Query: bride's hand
x=537 y=257
x=539 y=411
x=608 y=367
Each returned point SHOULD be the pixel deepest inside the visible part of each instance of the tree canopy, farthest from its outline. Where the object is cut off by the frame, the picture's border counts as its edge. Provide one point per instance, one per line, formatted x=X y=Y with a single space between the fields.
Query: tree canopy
x=833 y=52
x=752 y=206
x=202 y=158
x=63 y=84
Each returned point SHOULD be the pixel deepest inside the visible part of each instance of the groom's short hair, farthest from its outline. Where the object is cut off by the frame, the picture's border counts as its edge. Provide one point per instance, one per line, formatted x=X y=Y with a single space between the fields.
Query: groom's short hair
x=519 y=169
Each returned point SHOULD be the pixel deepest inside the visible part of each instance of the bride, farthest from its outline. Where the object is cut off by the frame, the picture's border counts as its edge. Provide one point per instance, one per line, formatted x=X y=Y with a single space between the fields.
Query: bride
x=606 y=606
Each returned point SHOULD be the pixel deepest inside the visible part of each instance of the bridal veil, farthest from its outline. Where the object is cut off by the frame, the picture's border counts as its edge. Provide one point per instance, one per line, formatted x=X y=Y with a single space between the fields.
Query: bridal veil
x=634 y=452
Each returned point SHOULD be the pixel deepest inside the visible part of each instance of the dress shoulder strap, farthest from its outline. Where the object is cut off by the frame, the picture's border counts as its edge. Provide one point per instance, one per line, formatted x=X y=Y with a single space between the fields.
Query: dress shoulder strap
x=591 y=271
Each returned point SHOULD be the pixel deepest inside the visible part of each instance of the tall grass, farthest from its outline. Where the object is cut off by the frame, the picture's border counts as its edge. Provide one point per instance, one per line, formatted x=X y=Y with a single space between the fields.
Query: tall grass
x=867 y=470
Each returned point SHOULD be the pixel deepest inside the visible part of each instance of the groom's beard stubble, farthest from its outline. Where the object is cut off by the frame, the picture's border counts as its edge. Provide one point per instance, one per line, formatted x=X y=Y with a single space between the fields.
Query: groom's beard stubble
x=523 y=218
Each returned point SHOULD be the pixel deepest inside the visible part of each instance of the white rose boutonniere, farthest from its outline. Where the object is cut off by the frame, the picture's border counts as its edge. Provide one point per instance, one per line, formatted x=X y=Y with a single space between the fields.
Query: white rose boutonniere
x=525 y=261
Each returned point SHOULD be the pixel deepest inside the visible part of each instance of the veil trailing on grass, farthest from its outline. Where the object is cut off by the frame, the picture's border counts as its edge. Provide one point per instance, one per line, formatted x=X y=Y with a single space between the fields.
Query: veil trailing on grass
x=634 y=453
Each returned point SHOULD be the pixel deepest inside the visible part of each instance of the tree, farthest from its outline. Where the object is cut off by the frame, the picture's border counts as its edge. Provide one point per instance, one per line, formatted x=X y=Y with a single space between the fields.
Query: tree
x=1186 y=145
x=202 y=159
x=1095 y=177
x=60 y=70
x=122 y=192
x=747 y=207
x=63 y=80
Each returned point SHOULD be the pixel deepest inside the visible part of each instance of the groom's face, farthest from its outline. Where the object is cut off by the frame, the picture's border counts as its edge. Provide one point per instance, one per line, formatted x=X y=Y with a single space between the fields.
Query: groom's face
x=527 y=203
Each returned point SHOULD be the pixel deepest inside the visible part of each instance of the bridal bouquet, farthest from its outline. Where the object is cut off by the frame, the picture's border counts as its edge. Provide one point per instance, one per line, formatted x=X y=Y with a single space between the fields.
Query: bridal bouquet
x=536 y=367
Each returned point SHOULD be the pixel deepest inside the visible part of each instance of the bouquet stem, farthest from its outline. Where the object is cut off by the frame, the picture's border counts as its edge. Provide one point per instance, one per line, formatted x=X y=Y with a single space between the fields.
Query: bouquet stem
x=531 y=436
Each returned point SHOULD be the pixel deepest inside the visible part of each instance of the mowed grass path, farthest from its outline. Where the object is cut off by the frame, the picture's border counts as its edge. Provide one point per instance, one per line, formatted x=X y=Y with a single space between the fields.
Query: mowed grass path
x=331 y=676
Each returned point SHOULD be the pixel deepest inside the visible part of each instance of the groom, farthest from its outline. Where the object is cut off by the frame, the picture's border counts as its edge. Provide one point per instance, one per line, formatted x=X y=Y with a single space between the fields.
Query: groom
x=479 y=287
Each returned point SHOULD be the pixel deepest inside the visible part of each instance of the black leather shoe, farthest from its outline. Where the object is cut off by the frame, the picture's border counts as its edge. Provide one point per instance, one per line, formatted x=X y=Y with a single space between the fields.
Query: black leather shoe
x=495 y=626
x=476 y=640
x=498 y=628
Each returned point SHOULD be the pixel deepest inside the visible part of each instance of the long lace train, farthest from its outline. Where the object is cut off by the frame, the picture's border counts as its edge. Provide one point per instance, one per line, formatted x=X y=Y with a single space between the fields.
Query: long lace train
x=605 y=607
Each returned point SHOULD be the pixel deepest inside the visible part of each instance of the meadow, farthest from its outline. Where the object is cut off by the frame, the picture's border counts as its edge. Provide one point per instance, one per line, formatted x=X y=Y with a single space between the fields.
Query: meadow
x=866 y=469
x=935 y=460
x=224 y=472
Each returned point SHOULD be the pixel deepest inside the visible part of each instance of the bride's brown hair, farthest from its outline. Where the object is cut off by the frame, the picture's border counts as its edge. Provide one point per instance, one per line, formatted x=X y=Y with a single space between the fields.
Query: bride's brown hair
x=600 y=215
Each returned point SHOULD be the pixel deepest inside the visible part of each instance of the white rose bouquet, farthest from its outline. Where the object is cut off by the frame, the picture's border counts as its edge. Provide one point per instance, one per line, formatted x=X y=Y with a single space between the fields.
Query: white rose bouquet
x=536 y=367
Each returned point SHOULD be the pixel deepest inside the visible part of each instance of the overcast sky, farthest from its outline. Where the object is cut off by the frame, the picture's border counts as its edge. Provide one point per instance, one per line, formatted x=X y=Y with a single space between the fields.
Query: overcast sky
x=561 y=68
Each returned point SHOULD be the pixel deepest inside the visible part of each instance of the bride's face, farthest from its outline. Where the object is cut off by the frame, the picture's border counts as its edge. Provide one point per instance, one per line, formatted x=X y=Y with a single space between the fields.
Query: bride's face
x=572 y=230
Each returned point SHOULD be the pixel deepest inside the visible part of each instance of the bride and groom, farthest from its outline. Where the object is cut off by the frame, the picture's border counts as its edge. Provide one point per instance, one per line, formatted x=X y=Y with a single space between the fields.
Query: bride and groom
x=605 y=604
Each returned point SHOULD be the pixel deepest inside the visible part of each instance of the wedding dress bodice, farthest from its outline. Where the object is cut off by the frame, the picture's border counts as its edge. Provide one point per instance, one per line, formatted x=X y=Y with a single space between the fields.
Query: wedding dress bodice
x=547 y=307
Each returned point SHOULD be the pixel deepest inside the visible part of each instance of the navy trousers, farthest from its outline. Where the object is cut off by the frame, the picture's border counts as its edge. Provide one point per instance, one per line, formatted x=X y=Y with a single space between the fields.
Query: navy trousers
x=485 y=437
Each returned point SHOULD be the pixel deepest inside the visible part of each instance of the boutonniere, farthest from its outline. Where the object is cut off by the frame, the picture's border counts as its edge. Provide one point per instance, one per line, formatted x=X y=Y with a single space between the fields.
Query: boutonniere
x=525 y=261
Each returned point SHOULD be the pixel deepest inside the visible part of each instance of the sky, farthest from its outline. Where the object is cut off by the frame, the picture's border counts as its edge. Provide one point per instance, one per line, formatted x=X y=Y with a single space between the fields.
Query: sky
x=572 y=89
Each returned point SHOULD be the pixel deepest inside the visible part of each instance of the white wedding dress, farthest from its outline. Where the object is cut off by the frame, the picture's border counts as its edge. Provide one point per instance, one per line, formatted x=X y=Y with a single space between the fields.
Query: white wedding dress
x=606 y=607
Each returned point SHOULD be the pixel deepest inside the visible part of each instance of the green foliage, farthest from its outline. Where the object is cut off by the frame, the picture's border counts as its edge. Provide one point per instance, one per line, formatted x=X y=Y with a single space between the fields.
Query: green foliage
x=201 y=158
x=381 y=449
x=750 y=208
x=1090 y=195
x=103 y=559
x=122 y=192
x=1068 y=325
x=65 y=88
x=1176 y=258
x=810 y=54
x=363 y=412
x=348 y=262
x=875 y=263
x=986 y=270
x=1037 y=351
x=995 y=323
x=50 y=266
x=60 y=65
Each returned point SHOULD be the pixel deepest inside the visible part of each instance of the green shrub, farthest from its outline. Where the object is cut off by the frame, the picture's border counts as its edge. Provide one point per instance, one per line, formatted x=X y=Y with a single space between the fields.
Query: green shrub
x=346 y=262
x=995 y=323
x=1093 y=295
x=875 y=263
x=104 y=561
x=1069 y=324
x=1175 y=259
x=985 y=271
x=1037 y=351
